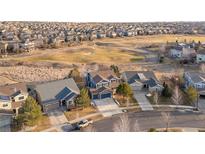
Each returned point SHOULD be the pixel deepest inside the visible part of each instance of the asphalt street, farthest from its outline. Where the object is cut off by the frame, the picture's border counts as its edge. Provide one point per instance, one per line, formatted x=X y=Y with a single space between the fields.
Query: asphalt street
x=154 y=119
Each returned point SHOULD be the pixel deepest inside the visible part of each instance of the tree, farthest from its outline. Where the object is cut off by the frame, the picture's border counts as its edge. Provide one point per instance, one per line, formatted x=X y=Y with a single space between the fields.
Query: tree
x=115 y=69
x=176 y=96
x=125 y=90
x=166 y=92
x=83 y=99
x=123 y=124
x=30 y=112
x=180 y=75
x=192 y=94
x=75 y=74
x=156 y=98
x=167 y=119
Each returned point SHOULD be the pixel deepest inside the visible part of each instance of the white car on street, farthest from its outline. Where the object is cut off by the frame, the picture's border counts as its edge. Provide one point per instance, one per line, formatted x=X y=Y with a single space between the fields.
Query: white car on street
x=84 y=123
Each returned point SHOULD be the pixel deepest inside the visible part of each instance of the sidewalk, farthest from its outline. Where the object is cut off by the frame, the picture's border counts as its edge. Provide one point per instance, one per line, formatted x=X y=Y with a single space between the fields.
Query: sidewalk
x=58 y=127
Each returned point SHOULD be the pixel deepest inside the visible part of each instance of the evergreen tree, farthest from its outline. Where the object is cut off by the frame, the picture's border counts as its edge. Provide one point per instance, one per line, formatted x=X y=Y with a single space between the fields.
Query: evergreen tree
x=83 y=99
x=30 y=112
x=191 y=94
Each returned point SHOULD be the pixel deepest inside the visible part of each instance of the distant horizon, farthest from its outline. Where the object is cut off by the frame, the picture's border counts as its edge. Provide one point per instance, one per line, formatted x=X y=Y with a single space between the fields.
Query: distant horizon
x=102 y=11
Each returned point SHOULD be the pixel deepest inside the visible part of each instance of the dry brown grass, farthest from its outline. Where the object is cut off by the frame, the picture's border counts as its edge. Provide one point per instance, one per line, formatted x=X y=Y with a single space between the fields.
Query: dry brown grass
x=119 y=50
x=5 y=80
x=44 y=123
x=77 y=113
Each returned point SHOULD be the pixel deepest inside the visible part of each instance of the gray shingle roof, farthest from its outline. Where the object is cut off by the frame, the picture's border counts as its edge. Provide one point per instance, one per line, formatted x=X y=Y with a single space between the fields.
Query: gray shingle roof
x=197 y=77
x=52 y=91
x=134 y=75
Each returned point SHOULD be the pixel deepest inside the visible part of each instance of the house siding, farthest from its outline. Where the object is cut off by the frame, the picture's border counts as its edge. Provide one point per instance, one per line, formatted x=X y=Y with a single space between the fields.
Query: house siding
x=200 y=58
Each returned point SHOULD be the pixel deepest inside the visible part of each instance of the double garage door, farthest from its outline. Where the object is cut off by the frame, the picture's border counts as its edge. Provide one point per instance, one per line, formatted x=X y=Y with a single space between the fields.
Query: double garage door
x=102 y=96
x=50 y=107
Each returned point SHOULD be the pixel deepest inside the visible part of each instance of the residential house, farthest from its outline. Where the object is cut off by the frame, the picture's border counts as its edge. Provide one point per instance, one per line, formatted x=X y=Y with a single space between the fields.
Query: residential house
x=195 y=79
x=102 y=83
x=139 y=80
x=13 y=96
x=54 y=94
x=182 y=52
x=200 y=56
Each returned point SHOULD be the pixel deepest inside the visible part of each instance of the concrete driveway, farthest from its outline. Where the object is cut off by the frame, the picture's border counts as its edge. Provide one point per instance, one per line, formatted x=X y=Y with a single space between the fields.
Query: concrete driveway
x=5 y=121
x=202 y=103
x=107 y=107
x=57 y=117
x=142 y=100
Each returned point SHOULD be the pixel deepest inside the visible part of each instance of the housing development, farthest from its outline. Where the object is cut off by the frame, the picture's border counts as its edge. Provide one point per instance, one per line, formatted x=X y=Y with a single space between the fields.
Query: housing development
x=103 y=77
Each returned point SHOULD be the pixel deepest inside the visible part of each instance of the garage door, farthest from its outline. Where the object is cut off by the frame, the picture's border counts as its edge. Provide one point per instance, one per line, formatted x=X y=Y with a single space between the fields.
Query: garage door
x=107 y=95
x=50 y=107
x=95 y=96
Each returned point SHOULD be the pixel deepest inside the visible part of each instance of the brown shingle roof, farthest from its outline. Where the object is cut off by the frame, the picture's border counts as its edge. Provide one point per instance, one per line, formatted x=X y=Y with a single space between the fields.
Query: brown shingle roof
x=11 y=89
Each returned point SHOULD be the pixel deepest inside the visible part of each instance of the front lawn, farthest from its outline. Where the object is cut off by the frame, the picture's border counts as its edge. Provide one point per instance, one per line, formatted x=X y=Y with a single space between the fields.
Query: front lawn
x=77 y=113
x=44 y=123
x=123 y=102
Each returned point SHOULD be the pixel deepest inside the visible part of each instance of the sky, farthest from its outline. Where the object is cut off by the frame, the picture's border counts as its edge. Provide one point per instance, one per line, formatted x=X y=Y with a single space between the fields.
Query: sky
x=102 y=10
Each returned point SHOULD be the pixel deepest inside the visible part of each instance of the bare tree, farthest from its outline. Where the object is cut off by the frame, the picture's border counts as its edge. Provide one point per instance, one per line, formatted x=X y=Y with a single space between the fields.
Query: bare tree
x=202 y=68
x=176 y=96
x=122 y=125
x=156 y=98
x=136 y=127
x=167 y=119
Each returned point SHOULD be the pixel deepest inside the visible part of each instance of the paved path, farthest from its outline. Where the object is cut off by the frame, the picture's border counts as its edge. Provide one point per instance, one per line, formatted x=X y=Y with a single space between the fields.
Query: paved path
x=107 y=107
x=57 y=118
x=142 y=101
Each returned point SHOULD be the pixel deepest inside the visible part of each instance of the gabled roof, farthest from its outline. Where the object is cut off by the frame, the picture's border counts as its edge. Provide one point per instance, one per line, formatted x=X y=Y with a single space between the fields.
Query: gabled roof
x=16 y=93
x=102 y=75
x=151 y=82
x=141 y=76
x=196 y=77
x=56 y=90
x=100 y=90
x=97 y=78
x=13 y=88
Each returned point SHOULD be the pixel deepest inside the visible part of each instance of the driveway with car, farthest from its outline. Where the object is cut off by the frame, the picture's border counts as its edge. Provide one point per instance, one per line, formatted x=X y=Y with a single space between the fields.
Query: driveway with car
x=107 y=107
x=142 y=100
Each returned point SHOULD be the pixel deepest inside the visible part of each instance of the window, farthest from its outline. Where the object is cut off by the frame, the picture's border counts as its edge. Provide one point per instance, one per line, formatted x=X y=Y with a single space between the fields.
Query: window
x=5 y=105
x=22 y=97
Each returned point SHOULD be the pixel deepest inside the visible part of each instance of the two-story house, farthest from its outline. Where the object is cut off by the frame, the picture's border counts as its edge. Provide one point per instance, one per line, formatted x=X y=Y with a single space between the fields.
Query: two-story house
x=200 y=56
x=13 y=96
x=102 y=83
x=182 y=52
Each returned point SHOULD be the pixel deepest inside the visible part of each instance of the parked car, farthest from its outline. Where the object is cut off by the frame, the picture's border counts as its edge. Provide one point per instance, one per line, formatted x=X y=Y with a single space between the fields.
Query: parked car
x=148 y=95
x=84 y=123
